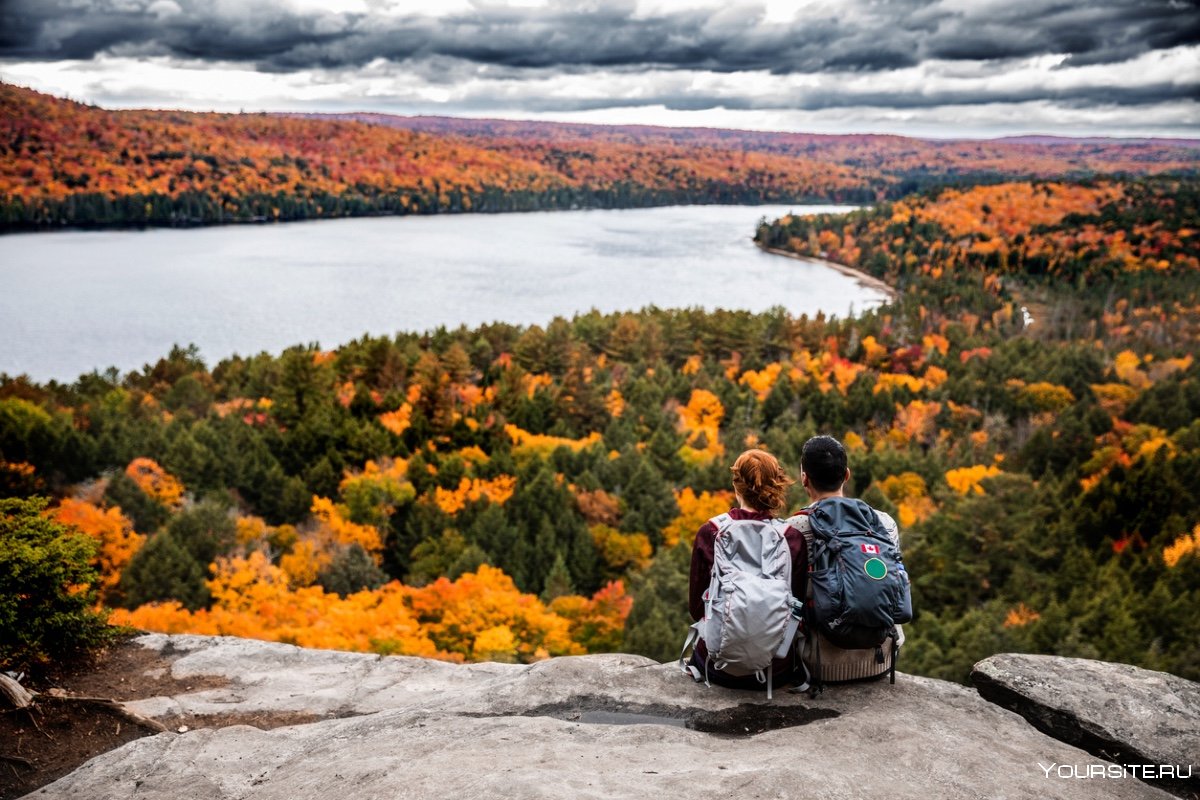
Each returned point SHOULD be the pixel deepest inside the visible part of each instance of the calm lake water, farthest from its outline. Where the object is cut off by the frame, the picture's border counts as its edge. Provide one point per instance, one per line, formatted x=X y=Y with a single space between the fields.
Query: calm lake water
x=74 y=301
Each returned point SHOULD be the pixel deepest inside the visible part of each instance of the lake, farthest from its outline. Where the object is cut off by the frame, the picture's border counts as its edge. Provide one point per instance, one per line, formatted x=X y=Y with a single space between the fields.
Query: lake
x=74 y=301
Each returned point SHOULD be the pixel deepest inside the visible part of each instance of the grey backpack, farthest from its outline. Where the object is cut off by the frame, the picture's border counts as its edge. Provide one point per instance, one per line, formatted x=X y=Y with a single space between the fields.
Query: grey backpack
x=750 y=615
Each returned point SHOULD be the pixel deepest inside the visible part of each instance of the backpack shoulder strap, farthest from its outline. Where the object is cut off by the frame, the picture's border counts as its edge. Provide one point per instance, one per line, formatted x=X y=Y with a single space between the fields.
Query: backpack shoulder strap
x=889 y=525
x=722 y=521
x=725 y=521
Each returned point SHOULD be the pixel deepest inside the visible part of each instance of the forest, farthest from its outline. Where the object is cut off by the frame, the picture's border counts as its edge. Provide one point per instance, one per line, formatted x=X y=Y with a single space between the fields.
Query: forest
x=1028 y=408
x=65 y=163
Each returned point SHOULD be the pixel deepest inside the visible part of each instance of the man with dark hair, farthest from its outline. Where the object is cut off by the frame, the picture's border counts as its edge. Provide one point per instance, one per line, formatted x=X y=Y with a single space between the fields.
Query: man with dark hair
x=823 y=467
x=824 y=473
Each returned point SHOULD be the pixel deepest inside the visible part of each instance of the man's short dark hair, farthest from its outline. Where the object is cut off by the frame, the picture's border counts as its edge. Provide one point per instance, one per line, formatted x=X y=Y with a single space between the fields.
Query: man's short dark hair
x=824 y=462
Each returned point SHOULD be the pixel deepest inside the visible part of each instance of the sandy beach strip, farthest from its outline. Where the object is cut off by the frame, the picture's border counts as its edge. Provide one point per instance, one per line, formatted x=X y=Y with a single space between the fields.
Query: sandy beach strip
x=860 y=276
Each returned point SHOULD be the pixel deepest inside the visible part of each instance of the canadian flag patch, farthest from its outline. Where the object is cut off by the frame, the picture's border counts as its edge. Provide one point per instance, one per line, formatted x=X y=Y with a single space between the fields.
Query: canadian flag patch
x=873 y=549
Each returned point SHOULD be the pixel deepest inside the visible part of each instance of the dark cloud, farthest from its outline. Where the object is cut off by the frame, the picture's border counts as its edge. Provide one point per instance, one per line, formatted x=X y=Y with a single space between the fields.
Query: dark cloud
x=865 y=36
x=829 y=98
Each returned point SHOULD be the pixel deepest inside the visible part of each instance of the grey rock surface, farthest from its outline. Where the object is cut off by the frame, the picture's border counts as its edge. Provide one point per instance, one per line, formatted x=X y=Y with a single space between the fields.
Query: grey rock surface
x=1118 y=712
x=424 y=729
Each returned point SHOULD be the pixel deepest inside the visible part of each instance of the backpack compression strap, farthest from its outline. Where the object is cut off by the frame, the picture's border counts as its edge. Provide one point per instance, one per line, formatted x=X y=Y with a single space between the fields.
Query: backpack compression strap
x=689 y=669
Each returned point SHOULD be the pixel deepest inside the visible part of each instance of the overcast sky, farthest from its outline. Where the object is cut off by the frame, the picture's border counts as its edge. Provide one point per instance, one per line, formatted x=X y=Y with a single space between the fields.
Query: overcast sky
x=946 y=68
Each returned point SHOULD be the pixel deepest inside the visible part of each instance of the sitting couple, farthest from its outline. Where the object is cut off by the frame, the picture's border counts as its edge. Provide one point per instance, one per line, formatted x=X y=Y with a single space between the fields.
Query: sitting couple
x=760 y=485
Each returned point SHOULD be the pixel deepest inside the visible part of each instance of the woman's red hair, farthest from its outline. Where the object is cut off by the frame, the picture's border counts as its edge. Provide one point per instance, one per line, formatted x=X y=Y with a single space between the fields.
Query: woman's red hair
x=761 y=481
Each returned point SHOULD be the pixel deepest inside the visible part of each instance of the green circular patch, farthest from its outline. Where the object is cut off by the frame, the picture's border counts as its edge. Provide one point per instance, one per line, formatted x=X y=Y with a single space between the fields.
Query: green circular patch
x=875 y=569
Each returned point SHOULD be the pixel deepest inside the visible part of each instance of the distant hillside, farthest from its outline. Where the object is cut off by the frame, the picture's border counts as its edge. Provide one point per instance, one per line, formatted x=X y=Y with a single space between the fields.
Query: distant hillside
x=894 y=158
x=68 y=163
x=1102 y=140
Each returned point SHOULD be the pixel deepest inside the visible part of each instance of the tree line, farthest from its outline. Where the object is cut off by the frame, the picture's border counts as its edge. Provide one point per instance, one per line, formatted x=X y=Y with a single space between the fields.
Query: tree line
x=65 y=163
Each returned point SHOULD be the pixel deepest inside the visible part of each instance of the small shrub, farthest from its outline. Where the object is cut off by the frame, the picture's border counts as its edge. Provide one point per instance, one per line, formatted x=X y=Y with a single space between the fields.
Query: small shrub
x=47 y=588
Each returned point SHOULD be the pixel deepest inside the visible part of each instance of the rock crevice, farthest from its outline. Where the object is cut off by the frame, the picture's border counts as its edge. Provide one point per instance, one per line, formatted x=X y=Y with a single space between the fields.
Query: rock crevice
x=1122 y=714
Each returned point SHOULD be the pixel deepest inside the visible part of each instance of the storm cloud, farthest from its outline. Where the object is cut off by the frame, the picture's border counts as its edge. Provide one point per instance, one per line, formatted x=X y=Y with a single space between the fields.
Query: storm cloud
x=576 y=56
x=867 y=36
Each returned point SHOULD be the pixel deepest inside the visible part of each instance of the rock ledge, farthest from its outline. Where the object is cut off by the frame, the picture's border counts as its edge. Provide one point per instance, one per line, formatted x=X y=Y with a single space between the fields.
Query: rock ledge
x=397 y=727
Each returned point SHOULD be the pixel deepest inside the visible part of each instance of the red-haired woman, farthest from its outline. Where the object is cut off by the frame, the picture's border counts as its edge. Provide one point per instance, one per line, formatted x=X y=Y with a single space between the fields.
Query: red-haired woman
x=760 y=485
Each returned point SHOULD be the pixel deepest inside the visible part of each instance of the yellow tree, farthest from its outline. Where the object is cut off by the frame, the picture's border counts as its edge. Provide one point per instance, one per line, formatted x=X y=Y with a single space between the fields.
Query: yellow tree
x=965 y=480
x=155 y=481
x=908 y=491
x=1188 y=543
x=700 y=421
x=598 y=624
x=620 y=551
x=481 y=604
x=694 y=511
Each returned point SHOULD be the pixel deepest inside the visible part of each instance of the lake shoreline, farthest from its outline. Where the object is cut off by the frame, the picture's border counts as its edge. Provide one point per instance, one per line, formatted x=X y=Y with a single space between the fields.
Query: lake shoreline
x=251 y=288
x=193 y=223
x=863 y=278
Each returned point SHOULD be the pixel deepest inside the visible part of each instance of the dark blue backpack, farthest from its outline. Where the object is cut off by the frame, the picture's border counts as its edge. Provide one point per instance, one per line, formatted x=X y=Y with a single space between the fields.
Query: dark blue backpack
x=860 y=590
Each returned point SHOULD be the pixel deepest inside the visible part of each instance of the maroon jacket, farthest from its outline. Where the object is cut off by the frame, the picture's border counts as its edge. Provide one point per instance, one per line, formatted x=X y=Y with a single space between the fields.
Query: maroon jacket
x=702 y=562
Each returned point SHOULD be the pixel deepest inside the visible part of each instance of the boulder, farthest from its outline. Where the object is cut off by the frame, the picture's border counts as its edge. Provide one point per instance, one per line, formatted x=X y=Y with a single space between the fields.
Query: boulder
x=605 y=726
x=1117 y=712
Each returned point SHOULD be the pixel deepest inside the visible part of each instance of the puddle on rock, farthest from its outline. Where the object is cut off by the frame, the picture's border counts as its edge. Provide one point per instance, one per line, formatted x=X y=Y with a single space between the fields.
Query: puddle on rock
x=747 y=719
x=751 y=718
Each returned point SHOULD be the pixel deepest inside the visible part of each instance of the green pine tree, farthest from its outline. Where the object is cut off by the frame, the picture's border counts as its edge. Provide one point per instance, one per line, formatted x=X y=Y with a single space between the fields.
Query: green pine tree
x=658 y=622
x=164 y=569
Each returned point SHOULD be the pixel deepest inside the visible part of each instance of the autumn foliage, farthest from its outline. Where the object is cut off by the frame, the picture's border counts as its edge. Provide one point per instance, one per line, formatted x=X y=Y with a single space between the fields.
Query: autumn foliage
x=108 y=526
x=479 y=617
x=65 y=161
x=1026 y=408
x=155 y=482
